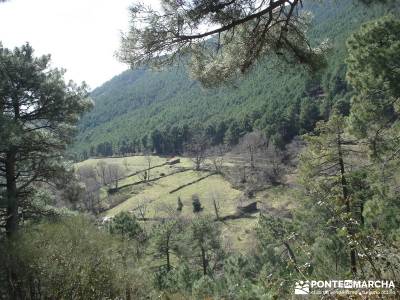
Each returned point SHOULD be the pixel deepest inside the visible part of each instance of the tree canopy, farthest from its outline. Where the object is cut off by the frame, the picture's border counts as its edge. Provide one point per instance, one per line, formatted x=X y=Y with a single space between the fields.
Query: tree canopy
x=374 y=72
x=38 y=114
x=223 y=38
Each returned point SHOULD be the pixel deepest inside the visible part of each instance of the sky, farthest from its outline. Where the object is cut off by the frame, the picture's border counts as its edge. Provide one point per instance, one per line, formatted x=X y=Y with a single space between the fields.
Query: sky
x=82 y=36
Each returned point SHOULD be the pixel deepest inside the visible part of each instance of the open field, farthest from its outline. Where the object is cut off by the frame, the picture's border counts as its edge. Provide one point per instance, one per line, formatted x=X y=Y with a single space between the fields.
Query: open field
x=158 y=198
x=134 y=163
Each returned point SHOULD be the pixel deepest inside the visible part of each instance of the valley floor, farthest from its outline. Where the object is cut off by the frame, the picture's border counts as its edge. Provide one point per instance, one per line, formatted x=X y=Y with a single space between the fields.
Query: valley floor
x=157 y=198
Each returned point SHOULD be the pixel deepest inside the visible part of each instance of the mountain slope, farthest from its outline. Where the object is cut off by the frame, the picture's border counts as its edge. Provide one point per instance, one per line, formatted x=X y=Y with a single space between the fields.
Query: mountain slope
x=274 y=98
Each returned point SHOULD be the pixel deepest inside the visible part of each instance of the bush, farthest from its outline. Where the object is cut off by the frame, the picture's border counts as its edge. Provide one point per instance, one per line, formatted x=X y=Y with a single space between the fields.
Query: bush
x=126 y=224
x=203 y=288
x=71 y=259
x=196 y=204
x=180 y=205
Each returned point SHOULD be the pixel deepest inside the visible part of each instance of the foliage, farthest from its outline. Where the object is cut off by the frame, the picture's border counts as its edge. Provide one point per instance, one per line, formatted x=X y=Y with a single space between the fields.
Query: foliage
x=205 y=243
x=344 y=224
x=203 y=288
x=69 y=259
x=126 y=225
x=196 y=204
x=169 y=106
x=245 y=32
x=180 y=204
x=279 y=247
x=164 y=240
x=326 y=170
x=374 y=72
x=38 y=114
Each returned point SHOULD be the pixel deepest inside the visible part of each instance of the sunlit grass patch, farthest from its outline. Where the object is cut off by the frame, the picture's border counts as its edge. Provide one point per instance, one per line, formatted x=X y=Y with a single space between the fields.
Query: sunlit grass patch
x=159 y=200
x=239 y=234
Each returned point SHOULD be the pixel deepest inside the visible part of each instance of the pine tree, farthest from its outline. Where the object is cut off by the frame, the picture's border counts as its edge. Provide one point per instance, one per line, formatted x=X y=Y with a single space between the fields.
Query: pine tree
x=38 y=112
x=325 y=171
x=204 y=239
x=196 y=204
x=180 y=205
x=373 y=70
x=164 y=241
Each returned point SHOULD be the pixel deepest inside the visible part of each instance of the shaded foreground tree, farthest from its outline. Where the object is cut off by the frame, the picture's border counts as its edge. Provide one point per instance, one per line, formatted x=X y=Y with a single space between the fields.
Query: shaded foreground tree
x=325 y=168
x=347 y=223
x=374 y=72
x=224 y=38
x=38 y=111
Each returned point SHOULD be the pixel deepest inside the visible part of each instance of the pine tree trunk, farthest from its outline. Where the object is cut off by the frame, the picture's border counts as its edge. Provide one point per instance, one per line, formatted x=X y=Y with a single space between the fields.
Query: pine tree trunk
x=12 y=215
x=127 y=293
x=12 y=201
x=204 y=261
x=353 y=259
x=168 y=258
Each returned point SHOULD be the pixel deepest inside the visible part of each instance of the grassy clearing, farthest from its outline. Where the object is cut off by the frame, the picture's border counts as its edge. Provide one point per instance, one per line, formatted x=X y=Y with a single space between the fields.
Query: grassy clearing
x=279 y=197
x=237 y=234
x=156 y=172
x=133 y=164
x=159 y=199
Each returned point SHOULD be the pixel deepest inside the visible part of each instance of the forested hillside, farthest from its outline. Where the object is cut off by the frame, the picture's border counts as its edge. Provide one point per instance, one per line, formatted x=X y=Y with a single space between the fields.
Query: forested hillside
x=139 y=108
x=283 y=182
